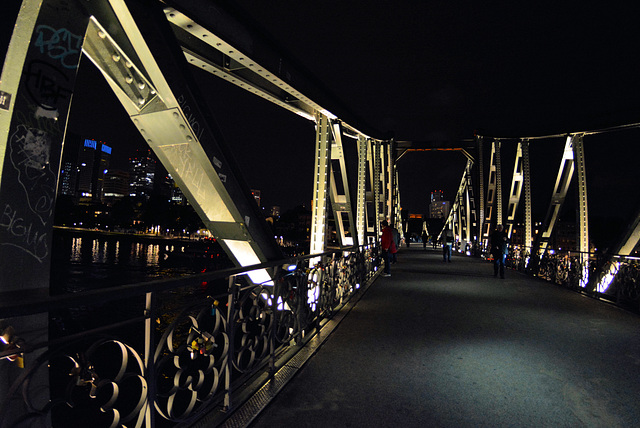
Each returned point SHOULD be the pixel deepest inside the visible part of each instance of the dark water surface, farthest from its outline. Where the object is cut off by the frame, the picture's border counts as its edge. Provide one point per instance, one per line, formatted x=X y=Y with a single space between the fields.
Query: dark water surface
x=86 y=260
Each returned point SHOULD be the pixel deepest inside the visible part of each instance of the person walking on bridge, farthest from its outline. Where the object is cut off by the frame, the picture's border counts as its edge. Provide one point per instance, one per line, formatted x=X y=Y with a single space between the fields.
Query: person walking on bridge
x=499 y=248
x=388 y=247
x=447 y=243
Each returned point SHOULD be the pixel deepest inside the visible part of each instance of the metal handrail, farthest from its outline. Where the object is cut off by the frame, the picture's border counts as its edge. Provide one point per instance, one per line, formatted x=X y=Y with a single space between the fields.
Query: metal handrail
x=194 y=357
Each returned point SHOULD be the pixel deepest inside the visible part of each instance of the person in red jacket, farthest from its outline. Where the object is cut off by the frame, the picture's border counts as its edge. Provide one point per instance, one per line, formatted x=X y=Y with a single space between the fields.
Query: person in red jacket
x=388 y=247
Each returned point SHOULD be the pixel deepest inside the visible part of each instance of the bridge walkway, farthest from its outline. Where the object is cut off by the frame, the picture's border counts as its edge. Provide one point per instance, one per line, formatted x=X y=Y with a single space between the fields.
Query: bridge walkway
x=448 y=345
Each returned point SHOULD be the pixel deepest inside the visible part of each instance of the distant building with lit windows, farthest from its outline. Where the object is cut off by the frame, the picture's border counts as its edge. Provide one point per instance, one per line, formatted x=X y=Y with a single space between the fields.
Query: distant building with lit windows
x=142 y=171
x=438 y=208
x=115 y=186
x=83 y=168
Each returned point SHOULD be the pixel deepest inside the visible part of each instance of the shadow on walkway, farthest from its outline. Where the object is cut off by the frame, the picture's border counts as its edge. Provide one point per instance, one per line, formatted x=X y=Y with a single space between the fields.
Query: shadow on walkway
x=448 y=345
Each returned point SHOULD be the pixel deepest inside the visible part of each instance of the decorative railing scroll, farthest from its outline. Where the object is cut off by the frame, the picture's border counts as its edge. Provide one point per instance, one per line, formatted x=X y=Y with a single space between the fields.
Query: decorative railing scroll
x=212 y=335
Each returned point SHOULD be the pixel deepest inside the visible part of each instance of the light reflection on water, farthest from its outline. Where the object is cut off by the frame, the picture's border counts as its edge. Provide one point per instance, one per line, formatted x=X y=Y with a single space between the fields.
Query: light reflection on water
x=82 y=261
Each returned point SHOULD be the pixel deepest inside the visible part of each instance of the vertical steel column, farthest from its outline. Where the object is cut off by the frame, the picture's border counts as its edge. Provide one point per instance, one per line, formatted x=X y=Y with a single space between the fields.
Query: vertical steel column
x=481 y=201
x=582 y=211
x=397 y=207
x=385 y=178
x=390 y=181
x=498 y=200
x=376 y=184
x=371 y=211
x=581 y=176
x=526 y=180
x=361 y=198
x=36 y=87
x=320 y=187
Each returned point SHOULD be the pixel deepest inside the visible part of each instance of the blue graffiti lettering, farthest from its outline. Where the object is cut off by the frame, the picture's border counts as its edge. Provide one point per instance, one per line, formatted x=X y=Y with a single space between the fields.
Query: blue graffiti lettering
x=59 y=44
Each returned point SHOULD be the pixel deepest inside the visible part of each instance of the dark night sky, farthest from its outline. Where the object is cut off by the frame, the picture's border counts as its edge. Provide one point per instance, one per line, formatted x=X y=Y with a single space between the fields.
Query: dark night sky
x=436 y=71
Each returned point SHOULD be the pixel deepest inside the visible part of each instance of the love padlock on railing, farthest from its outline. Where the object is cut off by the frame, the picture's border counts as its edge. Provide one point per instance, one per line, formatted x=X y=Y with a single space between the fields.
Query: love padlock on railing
x=202 y=344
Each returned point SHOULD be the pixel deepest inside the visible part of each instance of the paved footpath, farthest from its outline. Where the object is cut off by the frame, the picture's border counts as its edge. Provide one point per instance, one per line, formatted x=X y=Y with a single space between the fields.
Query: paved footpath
x=448 y=345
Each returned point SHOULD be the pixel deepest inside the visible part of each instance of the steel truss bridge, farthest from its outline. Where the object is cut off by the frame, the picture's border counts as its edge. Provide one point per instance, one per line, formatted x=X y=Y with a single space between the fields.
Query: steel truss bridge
x=190 y=366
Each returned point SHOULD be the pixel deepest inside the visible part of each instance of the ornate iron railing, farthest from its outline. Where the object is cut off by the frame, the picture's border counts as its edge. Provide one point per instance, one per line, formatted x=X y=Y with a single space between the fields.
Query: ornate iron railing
x=165 y=353
x=613 y=278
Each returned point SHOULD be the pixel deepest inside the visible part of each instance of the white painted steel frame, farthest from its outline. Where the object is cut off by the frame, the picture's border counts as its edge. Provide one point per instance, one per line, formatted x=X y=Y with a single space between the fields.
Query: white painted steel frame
x=320 y=185
x=361 y=197
x=341 y=202
x=521 y=184
x=563 y=180
x=494 y=191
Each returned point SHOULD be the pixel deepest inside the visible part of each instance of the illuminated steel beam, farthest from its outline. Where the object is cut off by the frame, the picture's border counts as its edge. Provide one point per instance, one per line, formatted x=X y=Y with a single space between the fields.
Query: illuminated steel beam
x=565 y=173
x=481 y=200
x=378 y=190
x=494 y=191
x=340 y=194
x=385 y=182
x=582 y=214
x=175 y=123
x=581 y=177
x=460 y=215
x=361 y=197
x=320 y=185
x=397 y=207
x=520 y=183
x=470 y=205
x=373 y=193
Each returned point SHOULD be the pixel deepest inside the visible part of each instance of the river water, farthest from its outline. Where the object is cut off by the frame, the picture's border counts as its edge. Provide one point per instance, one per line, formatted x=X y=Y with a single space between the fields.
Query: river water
x=84 y=260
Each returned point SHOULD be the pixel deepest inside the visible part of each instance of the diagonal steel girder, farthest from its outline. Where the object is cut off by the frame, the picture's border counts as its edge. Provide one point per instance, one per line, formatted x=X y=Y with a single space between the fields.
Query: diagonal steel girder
x=166 y=108
x=494 y=191
x=340 y=195
x=521 y=183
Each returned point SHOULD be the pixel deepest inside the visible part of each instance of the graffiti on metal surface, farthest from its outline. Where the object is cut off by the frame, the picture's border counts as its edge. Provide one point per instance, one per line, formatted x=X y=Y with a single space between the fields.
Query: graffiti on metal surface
x=46 y=84
x=26 y=234
x=181 y=157
x=193 y=121
x=29 y=155
x=60 y=44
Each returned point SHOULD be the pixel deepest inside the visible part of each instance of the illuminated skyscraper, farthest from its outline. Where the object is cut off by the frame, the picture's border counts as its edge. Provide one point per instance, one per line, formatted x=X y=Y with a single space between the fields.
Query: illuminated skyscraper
x=84 y=165
x=93 y=164
x=142 y=170
x=438 y=208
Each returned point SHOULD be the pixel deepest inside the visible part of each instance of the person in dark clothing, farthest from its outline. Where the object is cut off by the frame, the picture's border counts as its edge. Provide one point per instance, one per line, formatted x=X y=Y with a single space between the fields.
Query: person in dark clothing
x=499 y=248
x=447 y=243
x=425 y=239
x=388 y=247
x=396 y=241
